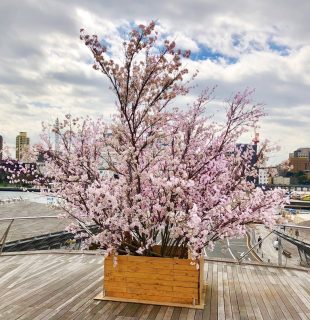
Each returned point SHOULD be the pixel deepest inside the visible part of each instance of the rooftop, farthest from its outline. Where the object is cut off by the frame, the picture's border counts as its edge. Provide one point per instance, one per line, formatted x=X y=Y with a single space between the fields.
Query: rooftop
x=63 y=286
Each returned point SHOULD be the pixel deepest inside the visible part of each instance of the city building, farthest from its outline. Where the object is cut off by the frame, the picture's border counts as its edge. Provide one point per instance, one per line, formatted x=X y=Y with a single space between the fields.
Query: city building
x=300 y=153
x=300 y=160
x=263 y=176
x=1 y=147
x=22 y=142
x=40 y=163
x=253 y=148
x=279 y=180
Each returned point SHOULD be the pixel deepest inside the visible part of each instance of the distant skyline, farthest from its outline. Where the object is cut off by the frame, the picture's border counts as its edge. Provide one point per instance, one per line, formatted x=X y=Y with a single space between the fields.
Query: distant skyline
x=46 y=71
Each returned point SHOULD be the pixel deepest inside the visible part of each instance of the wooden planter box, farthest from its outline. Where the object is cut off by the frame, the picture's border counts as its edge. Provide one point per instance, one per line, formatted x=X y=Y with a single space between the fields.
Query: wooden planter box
x=163 y=281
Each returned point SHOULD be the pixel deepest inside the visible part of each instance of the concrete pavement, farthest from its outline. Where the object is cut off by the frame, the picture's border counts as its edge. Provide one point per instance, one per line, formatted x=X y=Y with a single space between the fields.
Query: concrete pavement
x=268 y=253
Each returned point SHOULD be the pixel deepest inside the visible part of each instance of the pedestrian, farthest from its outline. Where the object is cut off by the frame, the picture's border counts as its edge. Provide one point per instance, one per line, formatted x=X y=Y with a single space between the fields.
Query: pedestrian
x=276 y=244
x=259 y=240
x=296 y=233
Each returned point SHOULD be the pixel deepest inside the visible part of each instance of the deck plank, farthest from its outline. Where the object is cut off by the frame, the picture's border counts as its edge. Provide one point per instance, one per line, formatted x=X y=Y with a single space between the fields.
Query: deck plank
x=52 y=286
x=227 y=303
x=206 y=311
x=214 y=294
x=239 y=295
x=245 y=295
x=232 y=291
x=220 y=293
x=301 y=303
x=259 y=293
x=252 y=295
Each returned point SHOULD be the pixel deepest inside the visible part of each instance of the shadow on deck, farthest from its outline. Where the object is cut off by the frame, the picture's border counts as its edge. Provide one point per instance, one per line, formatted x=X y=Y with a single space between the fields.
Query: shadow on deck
x=62 y=286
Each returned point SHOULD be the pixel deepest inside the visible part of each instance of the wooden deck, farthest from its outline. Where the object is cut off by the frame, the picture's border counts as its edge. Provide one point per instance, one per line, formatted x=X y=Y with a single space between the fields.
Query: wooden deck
x=62 y=286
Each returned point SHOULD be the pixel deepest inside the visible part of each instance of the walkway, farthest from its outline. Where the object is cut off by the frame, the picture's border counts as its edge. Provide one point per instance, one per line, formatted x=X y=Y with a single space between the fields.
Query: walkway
x=62 y=286
x=269 y=254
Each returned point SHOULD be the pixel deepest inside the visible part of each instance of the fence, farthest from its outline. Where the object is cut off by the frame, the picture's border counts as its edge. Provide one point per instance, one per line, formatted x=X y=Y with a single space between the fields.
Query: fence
x=48 y=232
x=37 y=233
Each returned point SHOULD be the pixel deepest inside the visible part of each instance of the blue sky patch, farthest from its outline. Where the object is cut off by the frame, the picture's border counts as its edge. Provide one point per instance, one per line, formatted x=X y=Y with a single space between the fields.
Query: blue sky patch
x=282 y=50
x=124 y=29
x=206 y=53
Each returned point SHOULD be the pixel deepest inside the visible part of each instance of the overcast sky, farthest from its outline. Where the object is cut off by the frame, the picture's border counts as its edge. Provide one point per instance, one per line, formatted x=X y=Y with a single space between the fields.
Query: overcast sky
x=46 y=72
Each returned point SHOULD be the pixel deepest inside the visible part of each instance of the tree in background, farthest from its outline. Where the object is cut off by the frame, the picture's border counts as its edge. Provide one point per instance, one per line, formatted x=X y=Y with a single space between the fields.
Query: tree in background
x=157 y=174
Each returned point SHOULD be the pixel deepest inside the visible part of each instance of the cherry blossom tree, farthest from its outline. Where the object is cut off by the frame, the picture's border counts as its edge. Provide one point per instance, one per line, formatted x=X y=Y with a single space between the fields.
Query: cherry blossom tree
x=157 y=174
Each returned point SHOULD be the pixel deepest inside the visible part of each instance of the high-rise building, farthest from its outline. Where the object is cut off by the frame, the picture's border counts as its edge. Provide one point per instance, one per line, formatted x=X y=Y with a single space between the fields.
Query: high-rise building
x=301 y=153
x=1 y=146
x=22 y=142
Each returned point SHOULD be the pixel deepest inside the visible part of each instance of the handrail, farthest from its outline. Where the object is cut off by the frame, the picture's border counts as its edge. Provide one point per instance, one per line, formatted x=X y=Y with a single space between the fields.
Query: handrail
x=251 y=249
x=296 y=226
x=12 y=219
x=281 y=226
x=31 y=217
x=293 y=240
x=5 y=235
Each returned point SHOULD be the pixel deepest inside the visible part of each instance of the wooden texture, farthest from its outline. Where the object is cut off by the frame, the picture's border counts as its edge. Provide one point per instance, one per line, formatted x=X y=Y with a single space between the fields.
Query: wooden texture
x=61 y=286
x=158 y=280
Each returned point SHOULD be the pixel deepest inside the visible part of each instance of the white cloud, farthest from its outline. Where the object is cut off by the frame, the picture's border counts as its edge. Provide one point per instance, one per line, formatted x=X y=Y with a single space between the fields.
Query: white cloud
x=46 y=71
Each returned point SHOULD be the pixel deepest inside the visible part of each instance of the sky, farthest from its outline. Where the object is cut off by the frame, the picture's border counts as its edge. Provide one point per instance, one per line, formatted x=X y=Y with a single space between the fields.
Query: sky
x=46 y=71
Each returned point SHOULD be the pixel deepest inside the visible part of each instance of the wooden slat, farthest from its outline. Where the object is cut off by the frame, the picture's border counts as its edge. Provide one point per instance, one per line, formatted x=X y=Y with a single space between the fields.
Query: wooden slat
x=220 y=294
x=226 y=289
x=295 y=295
x=265 y=293
x=161 y=313
x=206 y=311
x=63 y=287
x=146 y=283
x=214 y=293
x=232 y=291
x=246 y=297
x=252 y=295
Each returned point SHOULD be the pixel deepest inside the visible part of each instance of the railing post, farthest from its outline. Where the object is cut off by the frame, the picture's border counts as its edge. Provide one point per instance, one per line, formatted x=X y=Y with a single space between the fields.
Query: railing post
x=280 y=249
x=3 y=239
x=251 y=249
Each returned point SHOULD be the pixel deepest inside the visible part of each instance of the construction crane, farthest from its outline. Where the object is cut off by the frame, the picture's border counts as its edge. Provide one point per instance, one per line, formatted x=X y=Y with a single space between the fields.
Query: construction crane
x=56 y=127
x=256 y=137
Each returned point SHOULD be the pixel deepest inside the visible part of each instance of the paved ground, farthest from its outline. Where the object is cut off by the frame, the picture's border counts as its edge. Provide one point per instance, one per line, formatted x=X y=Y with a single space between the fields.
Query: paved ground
x=269 y=254
x=231 y=249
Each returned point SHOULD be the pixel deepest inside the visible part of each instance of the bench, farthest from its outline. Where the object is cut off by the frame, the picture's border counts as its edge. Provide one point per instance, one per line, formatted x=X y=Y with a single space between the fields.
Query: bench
x=286 y=253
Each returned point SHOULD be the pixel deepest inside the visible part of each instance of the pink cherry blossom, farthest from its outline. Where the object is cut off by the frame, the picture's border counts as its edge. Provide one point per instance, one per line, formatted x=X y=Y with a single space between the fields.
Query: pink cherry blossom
x=156 y=173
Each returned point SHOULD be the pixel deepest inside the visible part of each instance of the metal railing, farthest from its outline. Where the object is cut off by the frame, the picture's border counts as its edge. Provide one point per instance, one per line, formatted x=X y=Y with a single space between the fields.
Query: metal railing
x=33 y=232
x=279 y=230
